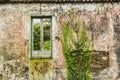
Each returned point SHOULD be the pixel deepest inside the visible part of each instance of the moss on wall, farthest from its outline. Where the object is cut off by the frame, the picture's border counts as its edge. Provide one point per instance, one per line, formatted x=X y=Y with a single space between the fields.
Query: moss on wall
x=40 y=67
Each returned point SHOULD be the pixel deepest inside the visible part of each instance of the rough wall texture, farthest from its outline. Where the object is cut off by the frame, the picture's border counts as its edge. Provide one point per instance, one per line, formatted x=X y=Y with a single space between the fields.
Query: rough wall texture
x=13 y=47
x=102 y=19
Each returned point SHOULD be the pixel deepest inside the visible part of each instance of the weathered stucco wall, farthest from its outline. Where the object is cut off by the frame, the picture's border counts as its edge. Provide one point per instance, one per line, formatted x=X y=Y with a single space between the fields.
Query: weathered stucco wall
x=13 y=45
x=102 y=20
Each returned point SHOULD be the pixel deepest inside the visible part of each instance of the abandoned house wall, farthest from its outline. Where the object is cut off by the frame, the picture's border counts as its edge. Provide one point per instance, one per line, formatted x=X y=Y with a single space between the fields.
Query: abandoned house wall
x=102 y=20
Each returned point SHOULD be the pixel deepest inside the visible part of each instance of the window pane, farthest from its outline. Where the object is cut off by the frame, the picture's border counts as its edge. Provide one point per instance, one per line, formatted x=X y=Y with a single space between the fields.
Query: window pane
x=46 y=34
x=41 y=43
x=36 y=33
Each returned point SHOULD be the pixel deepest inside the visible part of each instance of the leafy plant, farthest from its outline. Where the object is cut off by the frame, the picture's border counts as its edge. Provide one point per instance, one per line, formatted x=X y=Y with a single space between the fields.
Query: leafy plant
x=36 y=36
x=76 y=48
x=46 y=45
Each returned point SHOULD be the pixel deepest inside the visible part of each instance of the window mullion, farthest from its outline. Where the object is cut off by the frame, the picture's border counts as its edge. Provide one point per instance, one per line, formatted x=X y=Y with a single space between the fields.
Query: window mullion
x=41 y=38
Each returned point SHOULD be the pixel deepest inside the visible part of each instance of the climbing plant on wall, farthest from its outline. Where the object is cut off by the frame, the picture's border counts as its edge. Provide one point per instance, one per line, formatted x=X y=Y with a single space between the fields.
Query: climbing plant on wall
x=76 y=48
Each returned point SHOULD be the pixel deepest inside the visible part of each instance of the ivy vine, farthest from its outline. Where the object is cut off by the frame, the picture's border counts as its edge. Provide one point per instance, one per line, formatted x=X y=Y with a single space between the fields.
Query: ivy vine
x=76 y=48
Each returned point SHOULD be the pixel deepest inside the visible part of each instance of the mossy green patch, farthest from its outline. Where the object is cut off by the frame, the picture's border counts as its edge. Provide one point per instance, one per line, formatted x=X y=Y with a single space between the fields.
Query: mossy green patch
x=41 y=66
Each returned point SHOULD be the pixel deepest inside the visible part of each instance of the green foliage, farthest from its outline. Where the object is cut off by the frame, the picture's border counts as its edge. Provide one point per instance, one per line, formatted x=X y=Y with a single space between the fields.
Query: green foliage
x=37 y=31
x=76 y=48
x=46 y=45
x=36 y=36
